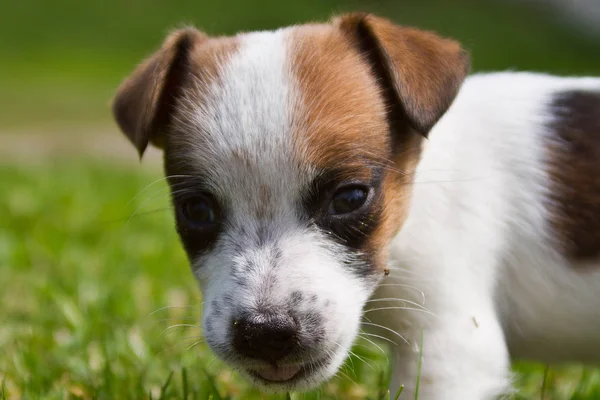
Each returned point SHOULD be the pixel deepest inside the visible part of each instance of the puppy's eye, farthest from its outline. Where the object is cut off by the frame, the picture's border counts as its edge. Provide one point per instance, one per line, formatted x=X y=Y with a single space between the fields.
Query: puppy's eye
x=199 y=212
x=348 y=199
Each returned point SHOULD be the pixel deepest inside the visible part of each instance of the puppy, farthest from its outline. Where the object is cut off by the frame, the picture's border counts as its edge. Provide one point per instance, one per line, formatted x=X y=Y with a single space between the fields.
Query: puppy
x=325 y=176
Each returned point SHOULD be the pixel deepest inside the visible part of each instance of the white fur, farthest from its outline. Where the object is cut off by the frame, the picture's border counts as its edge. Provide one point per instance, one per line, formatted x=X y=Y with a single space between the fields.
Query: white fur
x=476 y=249
x=473 y=270
x=247 y=111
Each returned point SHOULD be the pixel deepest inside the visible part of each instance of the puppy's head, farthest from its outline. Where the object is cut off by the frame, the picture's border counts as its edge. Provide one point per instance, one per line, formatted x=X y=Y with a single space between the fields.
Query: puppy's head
x=290 y=156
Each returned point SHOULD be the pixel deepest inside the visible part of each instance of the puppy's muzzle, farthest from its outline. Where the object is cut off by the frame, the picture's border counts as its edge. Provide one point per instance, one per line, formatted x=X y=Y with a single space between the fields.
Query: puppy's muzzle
x=265 y=337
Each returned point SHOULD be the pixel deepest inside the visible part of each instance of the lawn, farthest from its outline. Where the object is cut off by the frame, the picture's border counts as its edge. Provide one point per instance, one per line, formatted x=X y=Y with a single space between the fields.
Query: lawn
x=98 y=302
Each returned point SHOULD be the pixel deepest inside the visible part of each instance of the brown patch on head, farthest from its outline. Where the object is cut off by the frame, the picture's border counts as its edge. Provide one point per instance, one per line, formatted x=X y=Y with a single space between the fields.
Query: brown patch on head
x=145 y=102
x=342 y=114
x=208 y=57
x=341 y=125
x=370 y=91
x=574 y=167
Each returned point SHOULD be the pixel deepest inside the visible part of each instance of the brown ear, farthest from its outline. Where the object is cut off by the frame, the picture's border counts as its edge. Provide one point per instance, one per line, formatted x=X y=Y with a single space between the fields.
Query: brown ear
x=423 y=70
x=143 y=104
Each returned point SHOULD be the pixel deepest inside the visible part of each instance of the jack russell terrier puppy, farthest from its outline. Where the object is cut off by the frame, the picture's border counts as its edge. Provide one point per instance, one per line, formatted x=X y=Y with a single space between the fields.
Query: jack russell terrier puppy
x=328 y=176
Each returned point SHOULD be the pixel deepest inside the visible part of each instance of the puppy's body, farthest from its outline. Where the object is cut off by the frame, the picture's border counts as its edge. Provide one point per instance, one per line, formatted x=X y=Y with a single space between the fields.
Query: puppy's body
x=479 y=249
x=300 y=177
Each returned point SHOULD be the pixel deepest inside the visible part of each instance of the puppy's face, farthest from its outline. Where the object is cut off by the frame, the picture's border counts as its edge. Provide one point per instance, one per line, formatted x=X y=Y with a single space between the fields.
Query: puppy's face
x=290 y=156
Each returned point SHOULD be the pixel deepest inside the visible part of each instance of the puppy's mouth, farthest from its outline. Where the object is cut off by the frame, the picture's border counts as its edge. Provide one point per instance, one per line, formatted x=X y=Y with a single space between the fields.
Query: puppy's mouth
x=277 y=374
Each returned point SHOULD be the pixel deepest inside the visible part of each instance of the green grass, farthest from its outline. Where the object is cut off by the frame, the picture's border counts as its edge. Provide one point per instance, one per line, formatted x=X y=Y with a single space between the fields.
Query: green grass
x=89 y=259
x=87 y=273
x=93 y=278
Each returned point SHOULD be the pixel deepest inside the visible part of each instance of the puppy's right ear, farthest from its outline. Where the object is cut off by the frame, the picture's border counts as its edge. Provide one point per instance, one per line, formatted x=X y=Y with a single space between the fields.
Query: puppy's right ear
x=144 y=101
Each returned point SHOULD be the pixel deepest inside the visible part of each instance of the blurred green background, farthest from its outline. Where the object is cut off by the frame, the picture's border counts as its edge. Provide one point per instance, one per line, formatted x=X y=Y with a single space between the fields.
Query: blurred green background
x=61 y=60
x=96 y=299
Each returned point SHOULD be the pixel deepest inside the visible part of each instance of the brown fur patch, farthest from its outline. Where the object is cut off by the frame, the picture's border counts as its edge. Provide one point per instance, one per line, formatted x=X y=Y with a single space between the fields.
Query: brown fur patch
x=424 y=69
x=368 y=87
x=207 y=57
x=145 y=101
x=342 y=124
x=575 y=170
x=342 y=115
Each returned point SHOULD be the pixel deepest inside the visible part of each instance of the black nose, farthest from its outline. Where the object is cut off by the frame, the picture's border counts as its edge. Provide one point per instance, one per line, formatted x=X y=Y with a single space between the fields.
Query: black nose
x=268 y=337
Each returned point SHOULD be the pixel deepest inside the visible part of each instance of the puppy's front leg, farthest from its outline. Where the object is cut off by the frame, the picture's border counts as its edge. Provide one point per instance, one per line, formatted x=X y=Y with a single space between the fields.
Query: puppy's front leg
x=444 y=319
x=461 y=355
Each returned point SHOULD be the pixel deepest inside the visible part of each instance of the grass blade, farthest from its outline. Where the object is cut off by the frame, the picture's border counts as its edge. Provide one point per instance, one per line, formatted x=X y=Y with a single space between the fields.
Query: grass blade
x=399 y=392
x=382 y=384
x=420 y=365
x=163 y=389
x=213 y=387
x=184 y=383
x=545 y=382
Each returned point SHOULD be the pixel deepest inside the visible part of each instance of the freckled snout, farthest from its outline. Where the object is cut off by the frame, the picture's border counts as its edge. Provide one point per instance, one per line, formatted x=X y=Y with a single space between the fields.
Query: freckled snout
x=265 y=337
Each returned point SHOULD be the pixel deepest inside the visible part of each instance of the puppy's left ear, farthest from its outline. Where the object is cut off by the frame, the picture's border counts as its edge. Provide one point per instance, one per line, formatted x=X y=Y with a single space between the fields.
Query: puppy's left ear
x=144 y=102
x=420 y=70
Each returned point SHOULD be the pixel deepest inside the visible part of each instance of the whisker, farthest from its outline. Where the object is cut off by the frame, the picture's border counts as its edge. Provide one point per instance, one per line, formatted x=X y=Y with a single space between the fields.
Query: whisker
x=143 y=202
x=387 y=329
x=398 y=299
x=143 y=213
x=346 y=376
x=361 y=359
x=172 y=333
x=171 y=307
x=329 y=353
x=379 y=347
x=178 y=326
x=406 y=286
x=174 y=346
x=194 y=345
x=400 y=308
x=353 y=369
x=155 y=182
x=173 y=318
x=377 y=336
